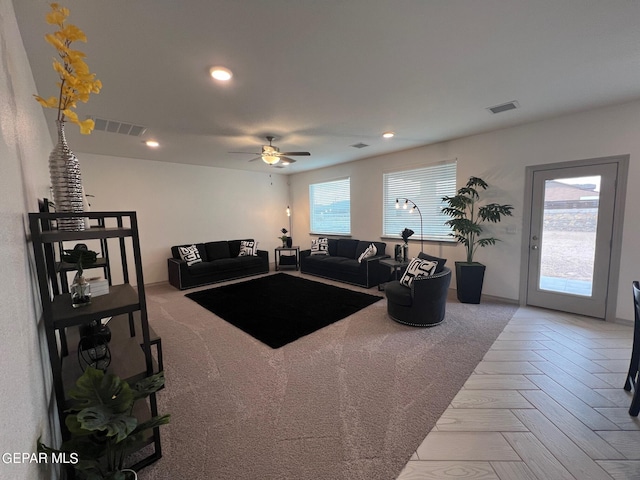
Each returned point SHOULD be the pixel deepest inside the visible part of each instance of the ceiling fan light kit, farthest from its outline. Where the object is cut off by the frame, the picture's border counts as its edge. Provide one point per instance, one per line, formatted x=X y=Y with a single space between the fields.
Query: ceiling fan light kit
x=271 y=155
x=221 y=73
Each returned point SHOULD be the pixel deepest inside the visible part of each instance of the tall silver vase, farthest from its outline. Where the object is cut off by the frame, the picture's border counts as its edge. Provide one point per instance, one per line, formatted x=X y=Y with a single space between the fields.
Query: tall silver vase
x=66 y=181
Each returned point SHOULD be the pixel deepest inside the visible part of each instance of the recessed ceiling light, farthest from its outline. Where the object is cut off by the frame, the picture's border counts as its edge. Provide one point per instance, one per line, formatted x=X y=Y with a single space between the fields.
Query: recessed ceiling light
x=221 y=73
x=388 y=135
x=152 y=143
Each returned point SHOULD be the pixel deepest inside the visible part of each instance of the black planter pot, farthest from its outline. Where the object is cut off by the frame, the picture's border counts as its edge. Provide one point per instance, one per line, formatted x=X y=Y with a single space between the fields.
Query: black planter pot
x=289 y=242
x=469 y=278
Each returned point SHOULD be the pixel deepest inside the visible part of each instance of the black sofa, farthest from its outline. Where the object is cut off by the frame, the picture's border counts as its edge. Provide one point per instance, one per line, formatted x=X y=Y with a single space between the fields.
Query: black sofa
x=220 y=261
x=342 y=264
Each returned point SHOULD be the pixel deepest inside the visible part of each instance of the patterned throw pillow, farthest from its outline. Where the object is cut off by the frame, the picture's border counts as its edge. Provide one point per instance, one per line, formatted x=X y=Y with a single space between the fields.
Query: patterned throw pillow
x=248 y=249
x=418 y=268
x=190 y=254
x=320 y=246
x=369 y=252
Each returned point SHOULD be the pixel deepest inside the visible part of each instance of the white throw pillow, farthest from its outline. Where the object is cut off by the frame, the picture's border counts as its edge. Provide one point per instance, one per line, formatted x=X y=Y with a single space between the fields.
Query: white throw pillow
x=320 y=246
x=248 y=249
x=369 y=252
x=418 y=268
x=190 y=254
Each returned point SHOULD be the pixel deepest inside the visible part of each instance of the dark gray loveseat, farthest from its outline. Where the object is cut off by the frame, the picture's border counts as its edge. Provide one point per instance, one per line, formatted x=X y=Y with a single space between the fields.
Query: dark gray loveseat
x=220 y=261
x=342 y=263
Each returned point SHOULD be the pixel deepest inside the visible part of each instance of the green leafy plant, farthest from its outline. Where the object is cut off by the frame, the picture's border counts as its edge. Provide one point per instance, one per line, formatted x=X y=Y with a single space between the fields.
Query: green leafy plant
x=283 y=237
x=468 y=216
x=102 y=425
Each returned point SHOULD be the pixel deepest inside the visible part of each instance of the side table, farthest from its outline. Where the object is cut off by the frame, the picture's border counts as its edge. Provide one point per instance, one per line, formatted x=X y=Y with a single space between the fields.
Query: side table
x=287 y=260
x=395 y=267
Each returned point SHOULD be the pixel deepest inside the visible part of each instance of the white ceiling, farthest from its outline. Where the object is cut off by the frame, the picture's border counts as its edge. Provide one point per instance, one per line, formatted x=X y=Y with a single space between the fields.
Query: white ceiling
x=322 y=75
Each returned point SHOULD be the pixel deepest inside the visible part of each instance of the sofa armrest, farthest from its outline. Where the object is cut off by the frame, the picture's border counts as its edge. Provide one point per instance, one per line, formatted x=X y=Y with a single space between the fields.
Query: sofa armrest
x=264 y=256
x=376 y=273
x=177 y=270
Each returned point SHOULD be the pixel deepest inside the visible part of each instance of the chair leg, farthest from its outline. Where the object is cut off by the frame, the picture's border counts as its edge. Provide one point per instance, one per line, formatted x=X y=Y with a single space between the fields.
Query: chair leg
x=634 y=409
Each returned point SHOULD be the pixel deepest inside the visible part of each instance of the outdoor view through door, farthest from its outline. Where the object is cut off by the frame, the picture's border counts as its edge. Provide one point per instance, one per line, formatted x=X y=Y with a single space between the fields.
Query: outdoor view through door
x=572 y=260
x=570 y=218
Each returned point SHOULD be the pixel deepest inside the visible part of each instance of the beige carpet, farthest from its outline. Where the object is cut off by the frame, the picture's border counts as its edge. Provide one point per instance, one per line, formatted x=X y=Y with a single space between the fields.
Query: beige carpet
x=350 y=401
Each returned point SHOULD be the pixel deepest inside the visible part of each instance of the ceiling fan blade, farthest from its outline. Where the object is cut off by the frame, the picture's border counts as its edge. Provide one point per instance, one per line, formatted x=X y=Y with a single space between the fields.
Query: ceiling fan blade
x=296 y=154
x=254 y=159
x=247 y=153
x=286 y=160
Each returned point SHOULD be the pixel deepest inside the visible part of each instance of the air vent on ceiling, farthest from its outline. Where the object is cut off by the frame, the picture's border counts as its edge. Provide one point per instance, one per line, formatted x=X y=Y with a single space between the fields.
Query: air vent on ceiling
x=504 y=107
x=113 y=126
x=360 y=145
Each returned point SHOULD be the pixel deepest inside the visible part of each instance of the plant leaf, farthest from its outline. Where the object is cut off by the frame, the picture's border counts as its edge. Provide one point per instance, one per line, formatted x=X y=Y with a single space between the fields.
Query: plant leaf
x=102 y=418
x=96 y=388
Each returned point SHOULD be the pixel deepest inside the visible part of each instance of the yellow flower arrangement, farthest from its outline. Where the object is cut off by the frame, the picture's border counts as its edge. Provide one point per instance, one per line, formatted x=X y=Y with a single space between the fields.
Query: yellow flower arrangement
x=76 y=82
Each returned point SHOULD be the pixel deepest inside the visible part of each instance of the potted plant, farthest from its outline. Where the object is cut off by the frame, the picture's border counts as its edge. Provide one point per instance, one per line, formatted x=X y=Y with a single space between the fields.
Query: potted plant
x=466 y=222
x=284 y=237
x=103 y=428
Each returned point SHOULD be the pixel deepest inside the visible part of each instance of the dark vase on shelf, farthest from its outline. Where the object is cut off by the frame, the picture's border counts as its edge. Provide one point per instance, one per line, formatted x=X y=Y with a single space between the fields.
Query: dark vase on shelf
x=289 y=242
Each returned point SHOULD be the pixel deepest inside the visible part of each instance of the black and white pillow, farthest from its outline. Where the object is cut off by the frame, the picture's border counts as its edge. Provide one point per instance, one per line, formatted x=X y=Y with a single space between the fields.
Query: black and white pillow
x=320 y=246
x=418 y=268
x=248 y=249
x=190 y=254
x=369 y=252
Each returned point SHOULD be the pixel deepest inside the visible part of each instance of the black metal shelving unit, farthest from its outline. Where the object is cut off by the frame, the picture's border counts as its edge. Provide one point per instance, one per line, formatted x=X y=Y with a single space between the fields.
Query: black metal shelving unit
x=132 y=338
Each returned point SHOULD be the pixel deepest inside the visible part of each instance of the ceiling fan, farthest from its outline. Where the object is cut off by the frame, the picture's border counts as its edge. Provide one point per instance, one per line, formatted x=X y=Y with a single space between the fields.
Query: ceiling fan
x=271 y=155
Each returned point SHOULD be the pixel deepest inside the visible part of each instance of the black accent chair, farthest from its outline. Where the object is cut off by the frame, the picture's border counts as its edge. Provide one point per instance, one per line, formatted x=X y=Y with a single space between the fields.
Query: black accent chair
x=632 y=376
x=421 y=305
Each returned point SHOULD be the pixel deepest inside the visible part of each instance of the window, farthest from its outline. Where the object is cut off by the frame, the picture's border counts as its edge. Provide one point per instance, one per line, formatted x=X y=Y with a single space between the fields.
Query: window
x=426 y=187
x=330 y=207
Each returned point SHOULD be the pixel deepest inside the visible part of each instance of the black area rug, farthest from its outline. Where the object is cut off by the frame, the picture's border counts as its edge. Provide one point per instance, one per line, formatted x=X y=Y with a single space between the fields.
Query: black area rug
x=278 y=309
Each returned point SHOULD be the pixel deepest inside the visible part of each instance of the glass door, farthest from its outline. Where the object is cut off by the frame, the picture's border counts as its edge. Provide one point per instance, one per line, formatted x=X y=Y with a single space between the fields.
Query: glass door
x=570 y=242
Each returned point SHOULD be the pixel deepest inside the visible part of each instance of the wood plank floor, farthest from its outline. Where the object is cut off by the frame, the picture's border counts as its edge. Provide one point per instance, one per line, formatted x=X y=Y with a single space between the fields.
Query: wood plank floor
x=546 y=402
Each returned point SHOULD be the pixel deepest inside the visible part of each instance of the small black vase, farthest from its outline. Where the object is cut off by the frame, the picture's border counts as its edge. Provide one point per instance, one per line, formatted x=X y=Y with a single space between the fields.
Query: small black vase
x=289 y=242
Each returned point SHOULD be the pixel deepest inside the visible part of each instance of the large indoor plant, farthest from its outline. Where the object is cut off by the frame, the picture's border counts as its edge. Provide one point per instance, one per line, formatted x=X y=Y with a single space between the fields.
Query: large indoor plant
x=102 y=424
x=467 y=217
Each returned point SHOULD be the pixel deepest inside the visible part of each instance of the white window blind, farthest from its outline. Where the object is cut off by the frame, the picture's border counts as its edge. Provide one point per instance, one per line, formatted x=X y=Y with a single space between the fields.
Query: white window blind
x=330 y=207
x=425 y=187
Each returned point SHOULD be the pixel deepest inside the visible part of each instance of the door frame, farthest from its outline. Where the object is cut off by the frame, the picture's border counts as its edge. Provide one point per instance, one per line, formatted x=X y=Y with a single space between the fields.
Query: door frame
x=622 y=162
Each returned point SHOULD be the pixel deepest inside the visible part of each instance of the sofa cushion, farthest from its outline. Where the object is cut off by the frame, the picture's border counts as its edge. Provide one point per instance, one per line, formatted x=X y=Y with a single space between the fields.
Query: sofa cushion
x=327 y=263
x=431 y=258
x=369 y=252
x=234 y=248
x=202 y=268
x=320 y=246
x=175 y=253
x=248 y=248
x=190 y=254
x=347 y=248
x=417 y=268
x=333 y=247
x=217 y=250
x=398 y=293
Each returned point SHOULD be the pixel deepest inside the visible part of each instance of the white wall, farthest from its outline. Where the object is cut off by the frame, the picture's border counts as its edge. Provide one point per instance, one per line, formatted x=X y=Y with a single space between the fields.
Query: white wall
x=179 y=204
x=25 y=380
x=500 y=158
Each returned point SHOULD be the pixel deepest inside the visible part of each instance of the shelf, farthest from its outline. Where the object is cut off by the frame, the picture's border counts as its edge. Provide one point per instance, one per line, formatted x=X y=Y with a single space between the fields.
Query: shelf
x=135 y=349
x=120 y=299
x=70 y=267
x=127 y=356
x=94 y=233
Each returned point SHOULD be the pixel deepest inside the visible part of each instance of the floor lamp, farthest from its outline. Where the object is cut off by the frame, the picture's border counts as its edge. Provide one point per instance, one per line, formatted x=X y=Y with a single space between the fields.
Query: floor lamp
x=415 y=207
